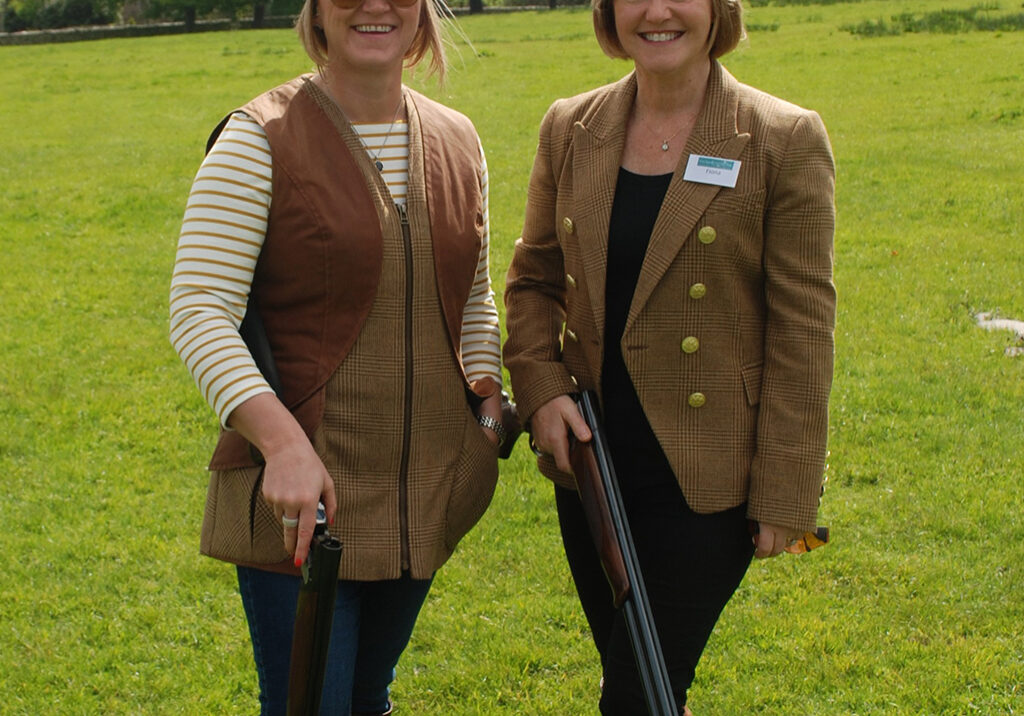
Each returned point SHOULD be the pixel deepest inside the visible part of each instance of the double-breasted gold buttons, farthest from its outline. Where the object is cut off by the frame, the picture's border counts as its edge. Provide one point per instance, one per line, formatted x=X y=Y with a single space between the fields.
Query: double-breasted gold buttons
x=570 y=281
x=691 y=344
x=568 y=225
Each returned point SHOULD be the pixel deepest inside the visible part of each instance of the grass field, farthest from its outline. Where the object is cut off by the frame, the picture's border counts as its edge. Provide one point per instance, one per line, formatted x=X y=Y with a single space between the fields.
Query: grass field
x=915 y=608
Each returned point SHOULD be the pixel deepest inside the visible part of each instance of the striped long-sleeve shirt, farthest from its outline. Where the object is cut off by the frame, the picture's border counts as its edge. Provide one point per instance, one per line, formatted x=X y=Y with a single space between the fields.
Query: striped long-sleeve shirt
x=221 y=236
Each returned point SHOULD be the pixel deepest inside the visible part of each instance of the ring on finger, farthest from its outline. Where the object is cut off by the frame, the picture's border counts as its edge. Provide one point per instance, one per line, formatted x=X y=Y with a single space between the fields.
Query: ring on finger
x=536 y=450
x=289 y=522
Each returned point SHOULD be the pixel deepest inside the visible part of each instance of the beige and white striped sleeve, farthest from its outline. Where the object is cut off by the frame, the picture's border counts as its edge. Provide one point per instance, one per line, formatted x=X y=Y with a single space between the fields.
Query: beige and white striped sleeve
x=481 y=333
x=223 y=230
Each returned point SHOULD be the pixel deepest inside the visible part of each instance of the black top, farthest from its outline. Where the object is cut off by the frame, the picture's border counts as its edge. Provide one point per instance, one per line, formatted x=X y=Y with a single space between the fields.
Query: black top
x=639 y=459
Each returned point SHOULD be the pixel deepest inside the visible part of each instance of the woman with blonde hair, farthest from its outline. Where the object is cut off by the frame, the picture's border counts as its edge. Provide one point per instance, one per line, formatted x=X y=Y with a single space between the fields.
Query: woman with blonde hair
x=351 y=212
x=676 y=259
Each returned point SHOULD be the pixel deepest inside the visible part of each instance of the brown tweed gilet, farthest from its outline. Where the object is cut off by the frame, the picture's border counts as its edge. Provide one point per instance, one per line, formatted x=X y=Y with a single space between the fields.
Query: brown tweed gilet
x=413 y=471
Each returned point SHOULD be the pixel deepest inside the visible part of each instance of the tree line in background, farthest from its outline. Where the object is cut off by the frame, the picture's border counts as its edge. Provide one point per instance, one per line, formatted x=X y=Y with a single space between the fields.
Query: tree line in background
x=18 y=15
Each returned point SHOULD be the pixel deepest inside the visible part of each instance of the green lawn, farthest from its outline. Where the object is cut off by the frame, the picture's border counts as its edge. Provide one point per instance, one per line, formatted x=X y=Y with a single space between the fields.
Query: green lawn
x=915 y=608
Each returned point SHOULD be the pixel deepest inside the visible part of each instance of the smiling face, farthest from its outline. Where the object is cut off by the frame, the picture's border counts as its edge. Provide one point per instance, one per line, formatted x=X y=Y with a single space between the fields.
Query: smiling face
x=665 y=36
x=374 y=36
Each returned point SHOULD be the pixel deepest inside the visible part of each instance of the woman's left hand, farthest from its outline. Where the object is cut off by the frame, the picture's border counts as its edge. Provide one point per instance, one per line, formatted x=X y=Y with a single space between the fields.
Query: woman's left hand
x=491 y=407
x=772 y=540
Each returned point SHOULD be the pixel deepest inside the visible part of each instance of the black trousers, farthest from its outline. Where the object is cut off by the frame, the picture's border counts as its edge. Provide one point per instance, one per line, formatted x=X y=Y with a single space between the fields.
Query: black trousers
x=691 y=564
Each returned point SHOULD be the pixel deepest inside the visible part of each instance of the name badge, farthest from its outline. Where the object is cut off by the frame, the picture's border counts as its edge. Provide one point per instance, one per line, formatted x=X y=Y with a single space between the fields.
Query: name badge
x=712 y=170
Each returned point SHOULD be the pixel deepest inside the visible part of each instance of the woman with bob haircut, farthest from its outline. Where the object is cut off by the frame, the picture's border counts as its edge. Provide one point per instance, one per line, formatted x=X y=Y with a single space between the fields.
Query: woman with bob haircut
x=350 y=213
x=676 y=258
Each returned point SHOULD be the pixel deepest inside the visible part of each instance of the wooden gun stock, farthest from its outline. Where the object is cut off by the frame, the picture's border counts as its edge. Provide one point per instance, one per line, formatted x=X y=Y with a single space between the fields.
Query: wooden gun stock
x=599 y=519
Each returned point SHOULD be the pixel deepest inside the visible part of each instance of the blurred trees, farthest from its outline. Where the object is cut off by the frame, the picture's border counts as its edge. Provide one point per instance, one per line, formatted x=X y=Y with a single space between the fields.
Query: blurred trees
x=188 y=11
x=16 y=15
x=43 y=14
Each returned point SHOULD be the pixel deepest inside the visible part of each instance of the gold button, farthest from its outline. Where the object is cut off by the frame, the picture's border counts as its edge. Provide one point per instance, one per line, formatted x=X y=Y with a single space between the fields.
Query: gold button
x=570 y=280
x=707 y=234
x=696 y=400
x=567 y=223
x=698 y=290
x=690 y=344
x=571 y=335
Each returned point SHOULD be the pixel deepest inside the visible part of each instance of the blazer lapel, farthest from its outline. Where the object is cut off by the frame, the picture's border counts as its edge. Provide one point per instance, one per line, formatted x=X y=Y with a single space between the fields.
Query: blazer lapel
x=716 y=135
x=598 y=140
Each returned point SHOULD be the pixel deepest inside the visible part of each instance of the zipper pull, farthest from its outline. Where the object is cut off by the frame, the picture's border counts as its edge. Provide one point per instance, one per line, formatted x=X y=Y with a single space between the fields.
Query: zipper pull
x=403 y=213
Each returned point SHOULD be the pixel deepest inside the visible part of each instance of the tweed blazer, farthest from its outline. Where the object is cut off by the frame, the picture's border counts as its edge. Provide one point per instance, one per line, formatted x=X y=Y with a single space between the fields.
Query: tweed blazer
x=729 y=336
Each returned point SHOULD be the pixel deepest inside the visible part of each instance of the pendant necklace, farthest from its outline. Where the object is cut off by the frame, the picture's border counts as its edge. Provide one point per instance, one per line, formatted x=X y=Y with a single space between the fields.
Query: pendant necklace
x=664 y=144
x=667 y=141
x=376 y=157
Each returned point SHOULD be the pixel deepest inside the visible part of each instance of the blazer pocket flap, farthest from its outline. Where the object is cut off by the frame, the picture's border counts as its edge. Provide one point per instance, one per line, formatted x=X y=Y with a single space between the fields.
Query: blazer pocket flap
x=751 y=376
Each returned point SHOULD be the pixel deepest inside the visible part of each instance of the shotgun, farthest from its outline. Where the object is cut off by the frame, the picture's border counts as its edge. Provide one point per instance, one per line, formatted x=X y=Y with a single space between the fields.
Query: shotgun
x=609 y=528
x=314 y=614
x=314 y=611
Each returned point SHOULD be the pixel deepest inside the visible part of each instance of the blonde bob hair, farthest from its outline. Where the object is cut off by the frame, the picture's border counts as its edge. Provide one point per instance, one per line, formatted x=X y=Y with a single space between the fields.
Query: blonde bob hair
x=428 y=37
x=726 y=28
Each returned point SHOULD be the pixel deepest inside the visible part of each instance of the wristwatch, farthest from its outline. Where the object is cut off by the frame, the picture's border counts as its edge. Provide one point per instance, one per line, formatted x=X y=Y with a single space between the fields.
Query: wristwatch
x=487 y=421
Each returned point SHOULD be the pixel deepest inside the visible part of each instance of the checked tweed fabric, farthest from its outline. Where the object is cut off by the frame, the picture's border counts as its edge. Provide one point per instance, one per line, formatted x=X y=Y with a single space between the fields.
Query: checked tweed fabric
x=729 y=336
x=389 y=519
x=452 y=467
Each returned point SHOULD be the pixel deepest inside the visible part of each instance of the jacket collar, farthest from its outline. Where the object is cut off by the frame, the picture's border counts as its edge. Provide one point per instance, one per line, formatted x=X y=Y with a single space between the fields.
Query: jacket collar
x=599 y=138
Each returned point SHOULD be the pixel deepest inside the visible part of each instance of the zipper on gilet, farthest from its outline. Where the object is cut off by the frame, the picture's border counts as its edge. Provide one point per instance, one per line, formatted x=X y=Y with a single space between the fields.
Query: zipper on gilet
x=403 y=474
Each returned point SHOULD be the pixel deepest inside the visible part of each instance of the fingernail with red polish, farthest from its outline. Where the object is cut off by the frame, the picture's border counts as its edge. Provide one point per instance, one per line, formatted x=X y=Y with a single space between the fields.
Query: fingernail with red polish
x=298 y=562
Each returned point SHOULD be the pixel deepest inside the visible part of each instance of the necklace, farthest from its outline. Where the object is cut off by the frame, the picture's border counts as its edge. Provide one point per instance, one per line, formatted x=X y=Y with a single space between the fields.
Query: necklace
x=664 y=144
x=376 y=157
x=667 y=140
x=321 y=81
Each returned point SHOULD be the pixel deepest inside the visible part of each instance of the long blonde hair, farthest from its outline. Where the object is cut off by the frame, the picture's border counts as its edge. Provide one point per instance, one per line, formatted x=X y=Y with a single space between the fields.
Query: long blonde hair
x=429 y=36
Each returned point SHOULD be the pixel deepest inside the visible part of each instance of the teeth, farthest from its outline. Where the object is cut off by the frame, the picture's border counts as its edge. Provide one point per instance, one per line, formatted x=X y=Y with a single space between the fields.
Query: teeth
x=660 y=36
x=373 y=28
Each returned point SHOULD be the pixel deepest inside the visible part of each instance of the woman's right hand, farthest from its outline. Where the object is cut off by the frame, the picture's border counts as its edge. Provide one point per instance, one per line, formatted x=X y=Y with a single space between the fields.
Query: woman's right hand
x=294 y=479
x=550 y=426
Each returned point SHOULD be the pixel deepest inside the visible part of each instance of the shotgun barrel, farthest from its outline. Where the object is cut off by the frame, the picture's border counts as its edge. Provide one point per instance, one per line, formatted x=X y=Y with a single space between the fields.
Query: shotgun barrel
x=314 y=612
x=609 y=527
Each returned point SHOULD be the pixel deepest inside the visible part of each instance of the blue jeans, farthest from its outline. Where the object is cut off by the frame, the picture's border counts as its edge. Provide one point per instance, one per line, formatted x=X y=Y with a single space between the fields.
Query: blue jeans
x=372 y=625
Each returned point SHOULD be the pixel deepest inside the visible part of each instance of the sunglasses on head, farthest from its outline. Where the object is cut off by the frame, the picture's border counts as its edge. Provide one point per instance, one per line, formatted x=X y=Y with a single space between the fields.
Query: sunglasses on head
x=352 y=4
